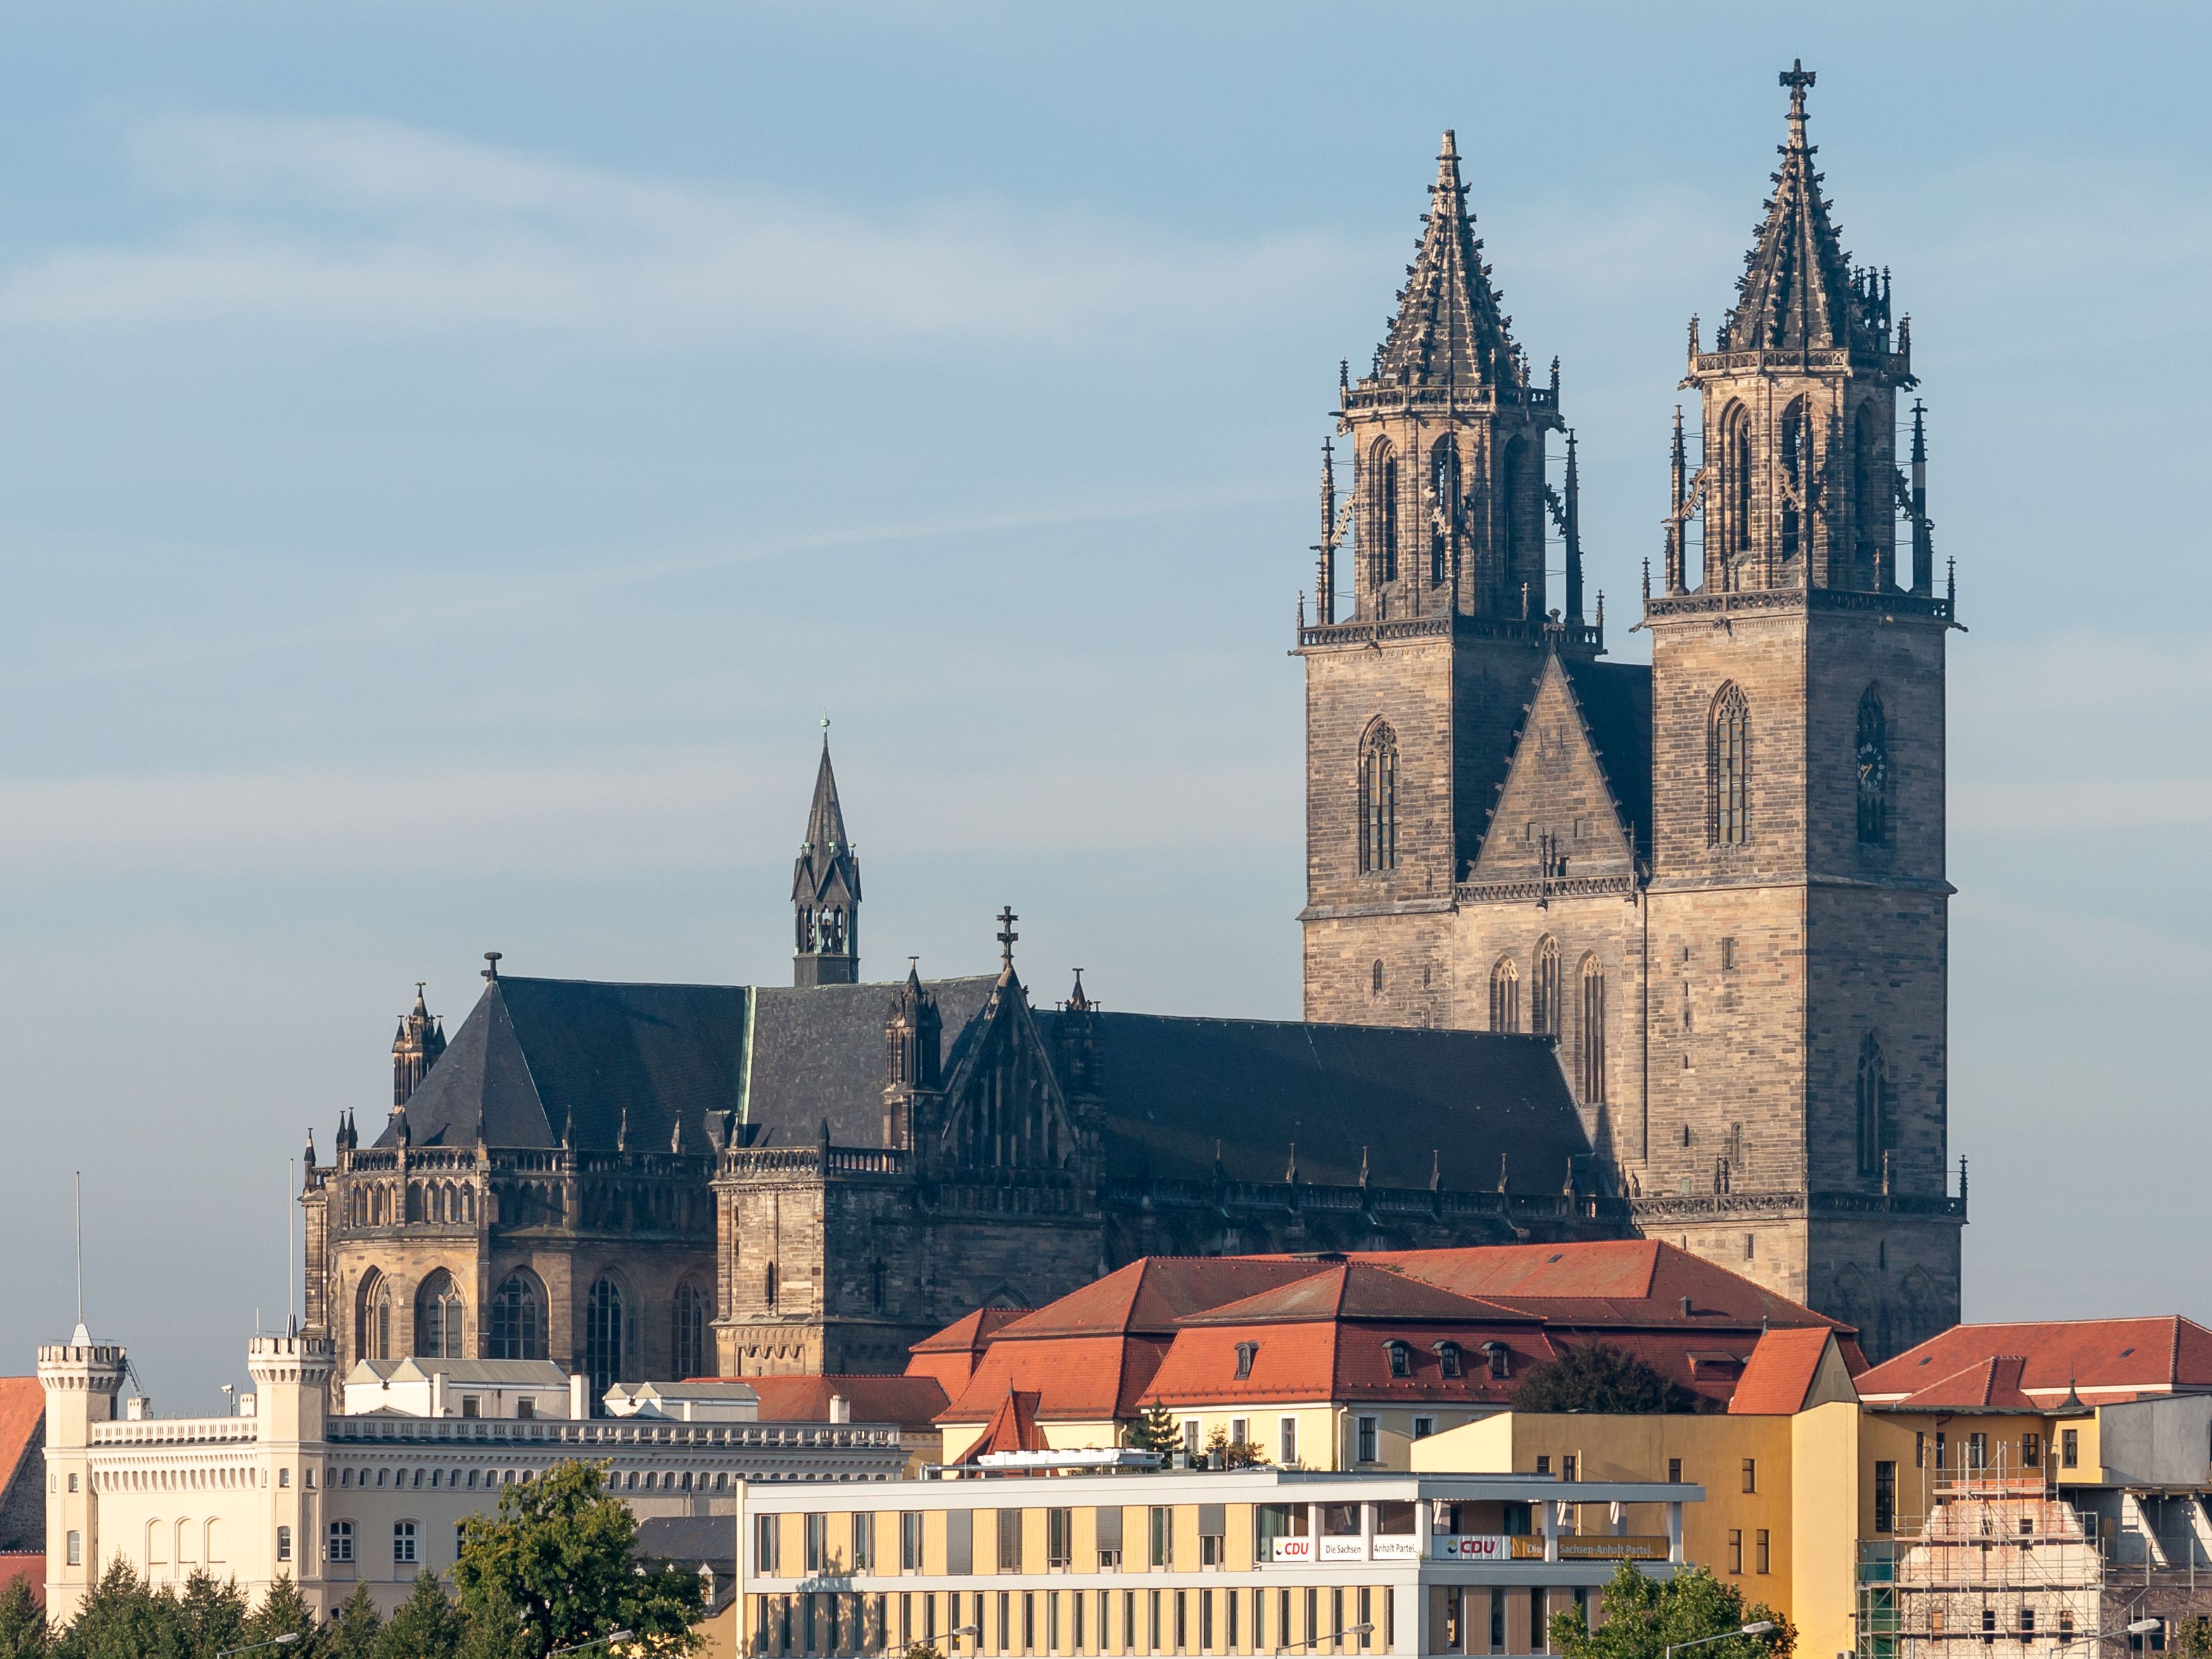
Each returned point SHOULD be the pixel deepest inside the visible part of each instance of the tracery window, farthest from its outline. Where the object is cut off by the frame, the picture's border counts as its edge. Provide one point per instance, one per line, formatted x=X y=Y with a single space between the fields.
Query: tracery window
x=1794 y=454
x=1382 y=515
x=1444 y=507
x=1544 y=993
x=517 y=1321
x=688 y=1346
x=1593 y=1031
x=1873 y=1104
x=602 y=1338
x=440 y=1317
x=1378 y=800
x=1873 y=755
x=1505 y=996
x=1737 y=447
x=373 y=1334
x=1728 y=769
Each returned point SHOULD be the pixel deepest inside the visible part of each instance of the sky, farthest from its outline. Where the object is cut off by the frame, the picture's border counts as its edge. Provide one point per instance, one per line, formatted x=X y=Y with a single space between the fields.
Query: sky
x=452 y=459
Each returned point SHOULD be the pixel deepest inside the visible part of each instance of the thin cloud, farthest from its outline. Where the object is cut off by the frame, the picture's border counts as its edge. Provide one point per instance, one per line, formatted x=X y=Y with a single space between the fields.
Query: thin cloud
x=368 y=228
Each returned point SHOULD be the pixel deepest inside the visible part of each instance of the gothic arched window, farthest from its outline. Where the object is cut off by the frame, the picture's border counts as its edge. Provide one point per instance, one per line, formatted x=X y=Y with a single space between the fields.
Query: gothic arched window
x=1383 y=513
x=518 y=1319
x=1544 y=991
x=1377 y=976
x=1378 y=800
x=373 y=1334
x=1873 y=755
x=1870 y=501
x=1728 y=769
x=602 y=1338
x=1593 y=1031
x=1795 y=443
x=1444 y=507
x=1873 y=1106
x=438 y=1318
x=1736 y=447
x=690 y=1344
x=1505 y=996
x=1505 y=515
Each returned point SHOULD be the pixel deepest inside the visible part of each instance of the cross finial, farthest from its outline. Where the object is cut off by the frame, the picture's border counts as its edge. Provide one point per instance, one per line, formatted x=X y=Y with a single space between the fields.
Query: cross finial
x=825 y=728
x=1007 y=937
x=1797 y=77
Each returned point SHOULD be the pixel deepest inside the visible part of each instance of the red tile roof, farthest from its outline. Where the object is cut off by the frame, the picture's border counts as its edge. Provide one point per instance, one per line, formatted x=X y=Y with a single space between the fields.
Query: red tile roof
x=22 y=1425
x=910 y=1401
x=950 y=1355
x=2093 y=1357
x=31 y=1565
x=1167 y=1328
x=1012 y=1427
x=1991 y=1384
x=1780 y=1372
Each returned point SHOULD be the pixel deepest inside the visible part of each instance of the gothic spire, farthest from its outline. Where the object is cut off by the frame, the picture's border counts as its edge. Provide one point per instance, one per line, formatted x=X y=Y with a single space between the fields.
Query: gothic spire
x=825 y=889
x=1798 y=292
x=1449 y=325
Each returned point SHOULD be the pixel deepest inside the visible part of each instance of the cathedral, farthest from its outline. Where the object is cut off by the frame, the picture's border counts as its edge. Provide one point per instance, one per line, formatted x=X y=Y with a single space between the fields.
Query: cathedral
x=1590 y=949
x=1717 y=884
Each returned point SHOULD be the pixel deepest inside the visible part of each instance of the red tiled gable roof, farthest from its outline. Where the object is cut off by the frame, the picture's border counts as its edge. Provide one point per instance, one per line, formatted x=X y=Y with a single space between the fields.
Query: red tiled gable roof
x=28 y=1565
x=1154 y=1293
x=909 y=1401
x=1310 y=1358
x=1077 y=1377
x=1993 y=1384
x=1355 y=1290
x=950 y=1355
x=1612 y=1283
x=22 y=1421
x=1779 y=1373
x=1012 y=1427
x=2102 y=1357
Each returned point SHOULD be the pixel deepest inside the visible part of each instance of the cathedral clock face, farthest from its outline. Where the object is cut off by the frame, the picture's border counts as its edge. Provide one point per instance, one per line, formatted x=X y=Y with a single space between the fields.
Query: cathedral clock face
x=1873 y=766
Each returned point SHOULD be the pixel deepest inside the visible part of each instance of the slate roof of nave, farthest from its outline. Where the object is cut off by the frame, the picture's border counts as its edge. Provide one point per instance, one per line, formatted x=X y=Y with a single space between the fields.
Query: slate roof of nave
x=1616 y=703
x=533 y=1052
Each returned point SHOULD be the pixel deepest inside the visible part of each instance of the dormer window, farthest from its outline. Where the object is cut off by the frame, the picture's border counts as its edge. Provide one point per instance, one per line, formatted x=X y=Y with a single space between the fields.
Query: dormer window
x=1448 y=1359
x=1401 y=1359
x=1501 y=1358
x=1244 y=1352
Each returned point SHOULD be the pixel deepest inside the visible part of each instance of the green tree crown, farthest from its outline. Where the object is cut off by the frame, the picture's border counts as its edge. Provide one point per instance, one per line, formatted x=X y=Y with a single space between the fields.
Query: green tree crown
x=1596 y=1376
x=1645 y=1616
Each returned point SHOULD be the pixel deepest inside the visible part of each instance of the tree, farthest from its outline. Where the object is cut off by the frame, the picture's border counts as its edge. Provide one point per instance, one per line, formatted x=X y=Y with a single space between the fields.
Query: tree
x=428 y=1625
x=121 y=1618
x=211 y=1615
x=351 y=1633
x=1596 y=1376
x=1156 y=1430
x=1644 y=1616
x=1233 y=1454
x=558 y=1556
x=22 y=1623
x=283 y=1609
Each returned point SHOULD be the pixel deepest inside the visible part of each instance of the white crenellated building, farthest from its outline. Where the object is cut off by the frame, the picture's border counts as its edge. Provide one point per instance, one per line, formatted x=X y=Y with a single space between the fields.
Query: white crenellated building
x=333 y=1500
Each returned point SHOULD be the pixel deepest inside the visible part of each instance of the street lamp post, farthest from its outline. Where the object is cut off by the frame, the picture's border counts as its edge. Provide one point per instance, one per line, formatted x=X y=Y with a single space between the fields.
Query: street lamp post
x=1757 y=1627
x=1349 y=1629
x=283 y=1641
x=959 y=1630
x=609 y=1639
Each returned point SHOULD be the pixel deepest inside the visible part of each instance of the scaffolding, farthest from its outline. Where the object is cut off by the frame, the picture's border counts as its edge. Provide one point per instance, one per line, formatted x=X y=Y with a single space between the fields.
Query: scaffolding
x=1999 y=1558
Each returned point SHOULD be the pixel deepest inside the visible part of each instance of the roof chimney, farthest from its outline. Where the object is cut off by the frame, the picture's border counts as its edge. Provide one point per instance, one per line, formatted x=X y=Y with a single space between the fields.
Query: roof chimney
x=1686 y=1307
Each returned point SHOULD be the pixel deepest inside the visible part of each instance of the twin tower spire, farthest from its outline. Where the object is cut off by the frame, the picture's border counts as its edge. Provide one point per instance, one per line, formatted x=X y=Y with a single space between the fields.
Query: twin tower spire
x=1795 y=483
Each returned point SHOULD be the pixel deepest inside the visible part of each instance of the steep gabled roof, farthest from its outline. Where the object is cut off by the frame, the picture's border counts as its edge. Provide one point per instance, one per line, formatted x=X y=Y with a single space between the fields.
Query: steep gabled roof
x=818 y=1053
x=1355 y=1290
x=1617 y=1284
x=2161 y=1355
x=1782 y=1374
x=1614 y=699
x=22 y=1468
x=1155 y=1293
x=1013 y=1427
x=1393 y=1099
x=1991 y=1384
x=1448 y=324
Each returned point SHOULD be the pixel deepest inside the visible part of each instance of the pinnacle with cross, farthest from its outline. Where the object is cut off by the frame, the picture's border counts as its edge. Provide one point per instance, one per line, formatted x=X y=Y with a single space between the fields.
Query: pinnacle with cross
x=1007 y=937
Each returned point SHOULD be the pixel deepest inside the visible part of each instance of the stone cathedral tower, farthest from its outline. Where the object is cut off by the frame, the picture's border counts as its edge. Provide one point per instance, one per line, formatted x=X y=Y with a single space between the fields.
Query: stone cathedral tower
x=1719 y=883
x=1798 y=905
